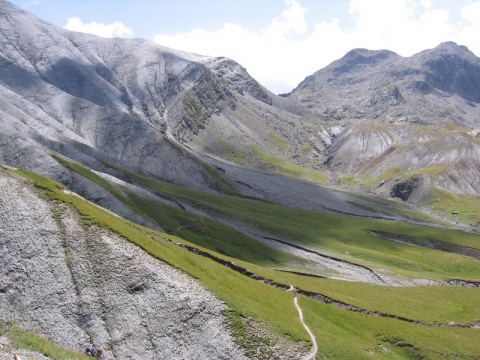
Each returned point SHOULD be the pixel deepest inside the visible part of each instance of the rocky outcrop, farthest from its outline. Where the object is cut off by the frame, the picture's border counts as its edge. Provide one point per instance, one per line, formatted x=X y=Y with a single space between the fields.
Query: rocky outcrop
x=76 y=285
x=455 y=70
x=208 y=96
x=238 y=78
x=403 y=190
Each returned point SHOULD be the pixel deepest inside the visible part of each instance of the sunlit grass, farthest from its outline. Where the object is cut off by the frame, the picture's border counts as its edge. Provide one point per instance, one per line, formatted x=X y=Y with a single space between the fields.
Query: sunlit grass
x=347 y=335
x=462 y=208
x=22 y=339
x=278 y=166
x=342 y=334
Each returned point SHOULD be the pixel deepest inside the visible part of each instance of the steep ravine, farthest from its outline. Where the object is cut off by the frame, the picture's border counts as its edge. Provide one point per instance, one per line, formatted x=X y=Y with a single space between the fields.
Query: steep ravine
x=76 y=285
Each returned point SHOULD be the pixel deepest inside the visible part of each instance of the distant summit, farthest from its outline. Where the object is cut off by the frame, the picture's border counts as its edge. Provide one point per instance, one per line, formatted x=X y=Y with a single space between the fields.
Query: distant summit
x=448 y=72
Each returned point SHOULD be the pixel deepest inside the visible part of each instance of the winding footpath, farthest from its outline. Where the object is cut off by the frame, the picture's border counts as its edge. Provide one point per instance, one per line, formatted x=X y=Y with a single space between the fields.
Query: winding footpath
x=313 y=353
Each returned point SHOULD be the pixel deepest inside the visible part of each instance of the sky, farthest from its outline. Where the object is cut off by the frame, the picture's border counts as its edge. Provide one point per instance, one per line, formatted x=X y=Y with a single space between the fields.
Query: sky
x=279 y=42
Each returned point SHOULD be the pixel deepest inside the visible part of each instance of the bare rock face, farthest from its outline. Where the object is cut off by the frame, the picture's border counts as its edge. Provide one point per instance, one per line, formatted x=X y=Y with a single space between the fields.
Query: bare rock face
x=77 y=286
x=455 y=70
x=403 y=190
x=238 y=79
x=433 y=87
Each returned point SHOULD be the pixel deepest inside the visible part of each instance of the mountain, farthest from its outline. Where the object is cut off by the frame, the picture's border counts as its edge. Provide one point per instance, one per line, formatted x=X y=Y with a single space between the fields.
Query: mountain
x=133 y=104
x=122 y=99
x=403 y=119
x=95 y=94
x=428 y=88
x=158 y=203
x=373 y=115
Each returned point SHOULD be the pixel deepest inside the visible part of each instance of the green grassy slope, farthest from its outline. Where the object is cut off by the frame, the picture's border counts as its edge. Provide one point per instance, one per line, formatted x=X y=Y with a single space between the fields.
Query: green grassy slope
x=341 y=334
x=347 y=237
x=21 y=339
x=347 y=335
x=462 y=208
x=431 y=304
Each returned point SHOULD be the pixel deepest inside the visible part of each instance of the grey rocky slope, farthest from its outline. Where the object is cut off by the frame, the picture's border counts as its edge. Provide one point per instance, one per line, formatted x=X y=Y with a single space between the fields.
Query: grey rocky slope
x=88 y=97
x=140 y=107
x=124 y=101
x=77 y=286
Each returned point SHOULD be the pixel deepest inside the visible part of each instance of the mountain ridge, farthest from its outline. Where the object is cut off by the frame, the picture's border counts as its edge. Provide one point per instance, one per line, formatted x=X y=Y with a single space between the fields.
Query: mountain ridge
x=90 y=92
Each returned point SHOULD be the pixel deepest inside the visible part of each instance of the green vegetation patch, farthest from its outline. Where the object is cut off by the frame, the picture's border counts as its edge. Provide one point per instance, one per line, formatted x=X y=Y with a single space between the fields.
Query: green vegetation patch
x=21 y=339
x=231 y=152
x=305 y=147
x=279 y=141
x=278 y=166
x=431 y=304
x=347 y=335
x=391 y=173
x=461 y=208
x=432 y=171
x=347 y=181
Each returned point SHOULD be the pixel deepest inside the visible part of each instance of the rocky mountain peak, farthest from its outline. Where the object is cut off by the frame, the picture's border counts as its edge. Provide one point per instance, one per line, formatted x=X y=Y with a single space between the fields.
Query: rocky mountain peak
x=238 y=78
x=365 y=56
x=452 y=69
x=450 y=47
x=359 y=60
x=351 y=68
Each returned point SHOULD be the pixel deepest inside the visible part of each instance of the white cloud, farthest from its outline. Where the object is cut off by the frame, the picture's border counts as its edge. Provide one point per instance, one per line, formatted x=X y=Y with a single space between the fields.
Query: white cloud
x=468 y=34
x=427 y=4
x=397 y=26
x=265 y=54
x=117 y=29
x=471 y=12
x=287 y=50
x=292 y=21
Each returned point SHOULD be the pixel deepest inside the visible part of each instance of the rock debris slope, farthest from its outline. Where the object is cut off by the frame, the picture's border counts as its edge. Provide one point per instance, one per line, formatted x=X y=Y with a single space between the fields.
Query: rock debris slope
x=78 y=286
